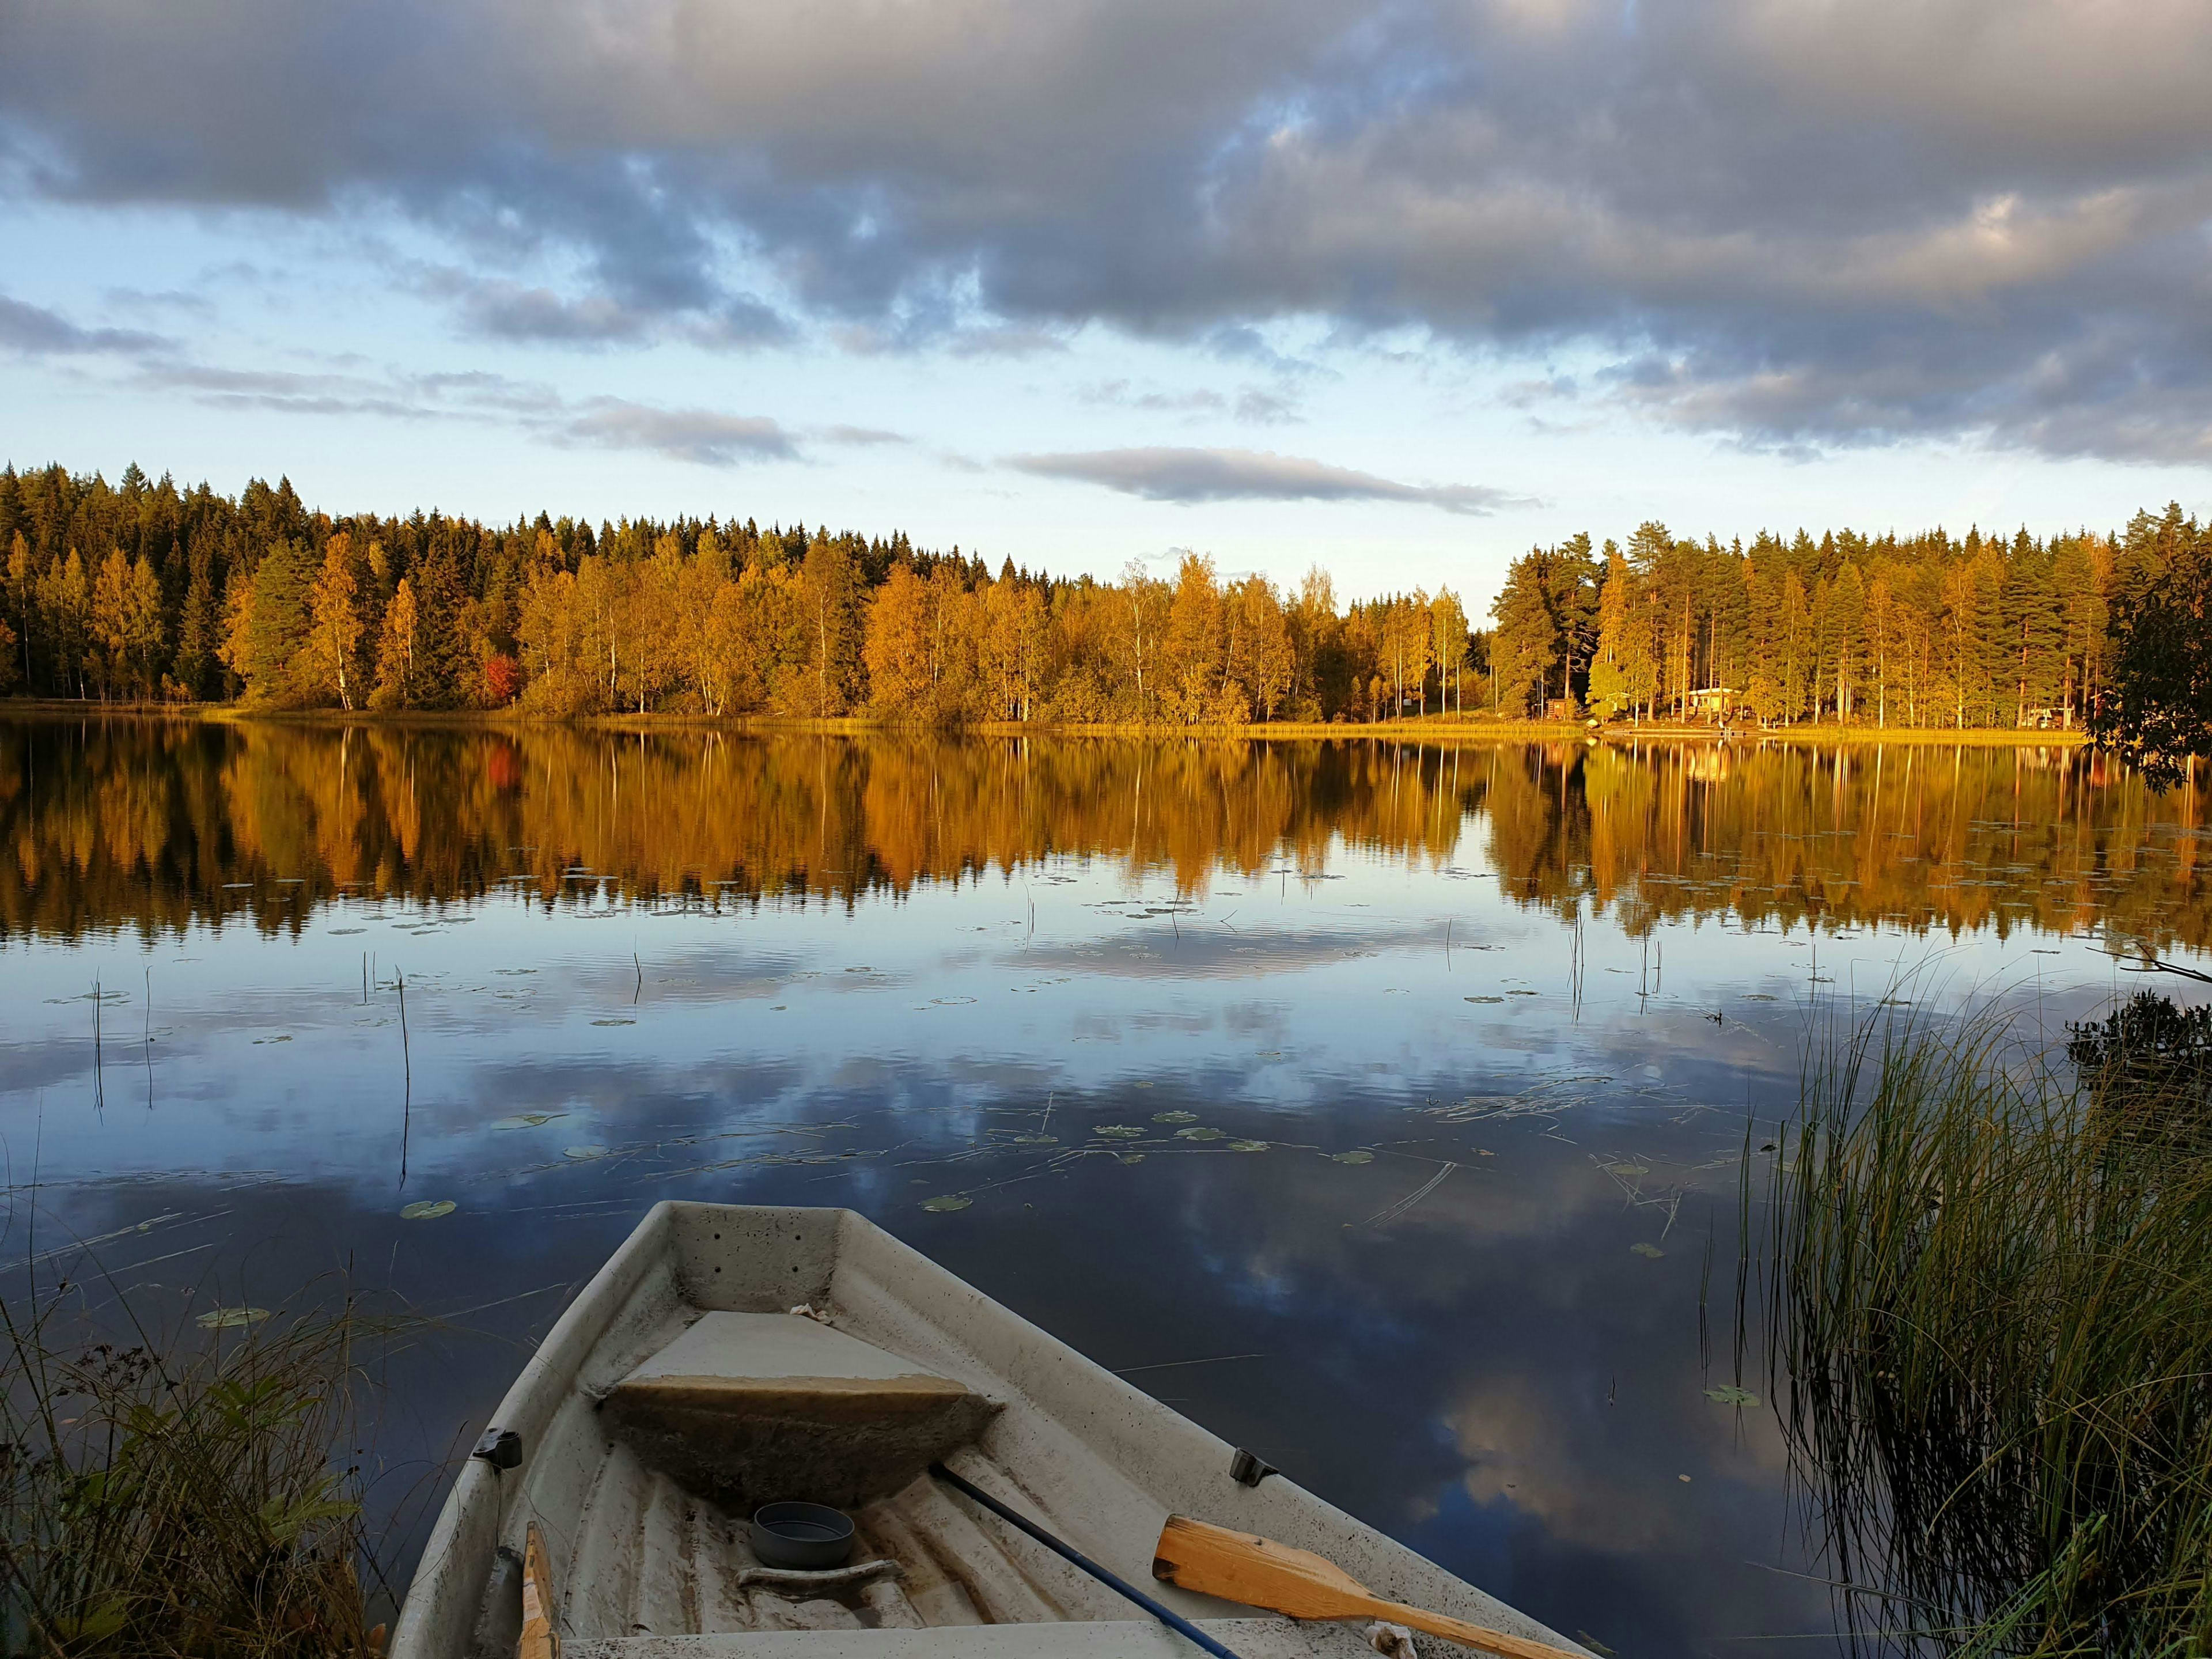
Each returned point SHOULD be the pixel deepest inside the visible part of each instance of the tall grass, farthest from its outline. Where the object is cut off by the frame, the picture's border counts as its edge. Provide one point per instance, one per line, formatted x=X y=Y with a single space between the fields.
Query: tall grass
x=178 y=1496
x=1992 y=1339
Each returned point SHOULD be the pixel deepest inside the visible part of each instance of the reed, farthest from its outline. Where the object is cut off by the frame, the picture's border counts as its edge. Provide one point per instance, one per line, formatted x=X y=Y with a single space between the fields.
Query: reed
x=1992 y=1337
x=178 y=1496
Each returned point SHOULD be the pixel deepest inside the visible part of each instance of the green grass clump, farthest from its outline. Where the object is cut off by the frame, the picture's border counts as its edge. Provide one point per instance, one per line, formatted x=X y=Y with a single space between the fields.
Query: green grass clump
x=1993 y=1335
x=178 y=1498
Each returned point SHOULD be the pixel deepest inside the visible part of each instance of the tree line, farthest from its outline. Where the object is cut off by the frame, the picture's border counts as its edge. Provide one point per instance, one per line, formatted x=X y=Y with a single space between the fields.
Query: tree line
x=1921 y=631
x=142 y=590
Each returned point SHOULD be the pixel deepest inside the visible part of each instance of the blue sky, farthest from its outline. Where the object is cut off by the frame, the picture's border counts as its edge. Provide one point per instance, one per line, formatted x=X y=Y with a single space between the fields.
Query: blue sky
x=1398 y=288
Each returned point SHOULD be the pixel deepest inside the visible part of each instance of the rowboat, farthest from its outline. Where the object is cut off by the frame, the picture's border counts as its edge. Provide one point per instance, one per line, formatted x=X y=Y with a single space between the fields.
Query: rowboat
x=727 y=1358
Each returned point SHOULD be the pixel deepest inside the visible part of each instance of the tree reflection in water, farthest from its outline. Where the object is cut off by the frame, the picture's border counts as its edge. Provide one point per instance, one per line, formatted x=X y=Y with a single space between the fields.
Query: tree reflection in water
x=155 y=825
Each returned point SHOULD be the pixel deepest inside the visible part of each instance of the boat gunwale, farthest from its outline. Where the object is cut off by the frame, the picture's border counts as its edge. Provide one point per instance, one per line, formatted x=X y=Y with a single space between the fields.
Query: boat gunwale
x=1149 y=1447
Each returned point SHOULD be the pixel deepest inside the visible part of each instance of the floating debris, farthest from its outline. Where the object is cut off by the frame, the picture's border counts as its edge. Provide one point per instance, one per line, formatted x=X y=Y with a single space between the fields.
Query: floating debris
x=1118 y=1131
x=1360 y=1157
x=1625 y=1168
x=584 y=1154
x=429 y=1209
x=614 y=1022
x=231 y=1319
x=527 y=1119
x=1651 y=1251
x=1482 y=999
x=1036 y=1140
x=1130 y=1157
x=947 y=1203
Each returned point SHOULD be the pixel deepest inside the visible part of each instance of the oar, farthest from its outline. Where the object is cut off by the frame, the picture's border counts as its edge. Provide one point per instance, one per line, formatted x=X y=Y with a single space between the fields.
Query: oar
x=1175 y=1621
x=539 y=1639
x=1237 y=1567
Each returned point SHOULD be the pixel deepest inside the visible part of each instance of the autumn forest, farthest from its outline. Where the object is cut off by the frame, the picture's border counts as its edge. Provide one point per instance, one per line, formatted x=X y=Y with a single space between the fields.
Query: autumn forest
x=142 y=591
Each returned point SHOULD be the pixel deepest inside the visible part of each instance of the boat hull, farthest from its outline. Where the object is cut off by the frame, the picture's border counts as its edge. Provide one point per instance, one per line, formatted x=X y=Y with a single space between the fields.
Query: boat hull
x=644 y=1568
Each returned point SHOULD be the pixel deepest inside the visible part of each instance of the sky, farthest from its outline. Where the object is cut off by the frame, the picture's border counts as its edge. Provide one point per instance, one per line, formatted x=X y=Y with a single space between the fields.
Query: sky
x=1399 y=287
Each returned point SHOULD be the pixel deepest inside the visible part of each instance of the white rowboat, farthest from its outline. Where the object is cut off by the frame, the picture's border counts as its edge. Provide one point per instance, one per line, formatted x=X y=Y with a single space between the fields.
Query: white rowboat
x=680 y=1391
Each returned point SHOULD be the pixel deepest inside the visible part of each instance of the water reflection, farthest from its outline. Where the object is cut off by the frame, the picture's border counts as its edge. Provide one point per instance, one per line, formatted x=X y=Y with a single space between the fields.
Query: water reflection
x=1376 y=1105
x=157 y=826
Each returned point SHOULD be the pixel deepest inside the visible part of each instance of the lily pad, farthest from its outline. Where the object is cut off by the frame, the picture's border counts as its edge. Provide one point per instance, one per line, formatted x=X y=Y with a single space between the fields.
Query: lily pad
x=1352 y=1157
x=1118 y=1131
x=1482 y=999
x=231 y=1319
x=1175 y=1117
x=1248 y=1145
x=614 y=1022
x=947 y=1203
x=1731 y=1395
x=429 y=1209
x=1200 y=1133
x=1036 y=1140
x=1130 y=1157
x=527 y=1119
x=1652 y=1251
x=584 y=1154
x=1626 y=1169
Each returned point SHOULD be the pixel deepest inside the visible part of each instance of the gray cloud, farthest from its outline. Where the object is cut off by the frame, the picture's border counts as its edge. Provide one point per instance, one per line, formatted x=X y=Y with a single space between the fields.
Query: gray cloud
x=1793 y=224
x=686 y=435
x=1224 y=475
x=1253 y=405
x=152 y=364
x=35 y=331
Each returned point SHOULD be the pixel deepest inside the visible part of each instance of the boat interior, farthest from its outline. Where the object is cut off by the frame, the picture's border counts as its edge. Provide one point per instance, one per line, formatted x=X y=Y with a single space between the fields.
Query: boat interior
x=727 y=1358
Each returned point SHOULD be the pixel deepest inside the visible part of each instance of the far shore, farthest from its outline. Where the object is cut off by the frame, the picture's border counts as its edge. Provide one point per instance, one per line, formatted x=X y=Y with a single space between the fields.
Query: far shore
x=1439 y=728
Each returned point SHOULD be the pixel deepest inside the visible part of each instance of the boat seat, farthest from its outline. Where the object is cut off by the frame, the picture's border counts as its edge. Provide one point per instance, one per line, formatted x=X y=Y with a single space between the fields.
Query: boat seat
x=754 y=1408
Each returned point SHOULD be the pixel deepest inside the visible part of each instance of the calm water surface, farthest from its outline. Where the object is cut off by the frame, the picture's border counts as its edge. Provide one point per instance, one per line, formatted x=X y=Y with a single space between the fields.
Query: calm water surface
x=1381 y=1108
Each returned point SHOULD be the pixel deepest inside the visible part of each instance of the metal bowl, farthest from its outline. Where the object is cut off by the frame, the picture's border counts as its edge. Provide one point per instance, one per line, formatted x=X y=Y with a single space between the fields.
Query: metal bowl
x=806 y=1537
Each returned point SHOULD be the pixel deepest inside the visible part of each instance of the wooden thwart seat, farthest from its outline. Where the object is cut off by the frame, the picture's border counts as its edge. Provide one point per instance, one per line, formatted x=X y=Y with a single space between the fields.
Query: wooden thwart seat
x=754 y=1408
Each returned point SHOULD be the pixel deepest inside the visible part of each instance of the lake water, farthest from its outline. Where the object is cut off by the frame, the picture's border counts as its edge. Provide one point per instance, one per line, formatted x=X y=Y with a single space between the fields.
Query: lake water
x=1382 y=1108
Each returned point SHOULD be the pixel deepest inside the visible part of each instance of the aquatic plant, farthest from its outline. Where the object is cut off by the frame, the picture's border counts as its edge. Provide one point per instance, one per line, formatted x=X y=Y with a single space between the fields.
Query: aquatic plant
x=1992 y=1335
x=177 y=1496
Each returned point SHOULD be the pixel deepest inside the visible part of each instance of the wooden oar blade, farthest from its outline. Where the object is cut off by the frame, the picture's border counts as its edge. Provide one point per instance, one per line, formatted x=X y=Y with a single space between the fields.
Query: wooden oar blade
x=539 y=1638
x=1242 y=1567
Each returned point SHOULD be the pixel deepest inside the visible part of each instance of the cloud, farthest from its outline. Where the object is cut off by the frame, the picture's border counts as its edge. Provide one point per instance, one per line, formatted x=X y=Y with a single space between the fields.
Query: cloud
x=1253 y=405
x=1822 y=224
x=37 y=332
x=503 y=310
x=862 y=437
x=151 y=364
x=686 y=435
x=1223 y=475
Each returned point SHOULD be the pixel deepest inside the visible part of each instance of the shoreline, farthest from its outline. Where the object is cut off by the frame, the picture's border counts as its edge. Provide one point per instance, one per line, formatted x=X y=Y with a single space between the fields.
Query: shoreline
x=1432 y=727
